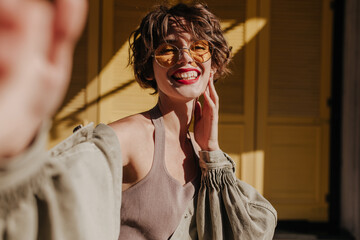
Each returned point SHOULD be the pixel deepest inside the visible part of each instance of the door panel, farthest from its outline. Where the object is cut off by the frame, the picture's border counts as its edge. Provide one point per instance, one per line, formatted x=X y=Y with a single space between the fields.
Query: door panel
x=294 y=153
x=293 y=120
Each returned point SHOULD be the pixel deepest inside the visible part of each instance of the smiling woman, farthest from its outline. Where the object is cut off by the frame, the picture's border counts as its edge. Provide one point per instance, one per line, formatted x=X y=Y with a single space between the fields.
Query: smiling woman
x=178 y=51
x=163 y=25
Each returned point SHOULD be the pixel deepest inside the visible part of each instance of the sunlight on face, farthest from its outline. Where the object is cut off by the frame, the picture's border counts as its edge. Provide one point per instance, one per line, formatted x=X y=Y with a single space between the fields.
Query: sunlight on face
x=187 y=79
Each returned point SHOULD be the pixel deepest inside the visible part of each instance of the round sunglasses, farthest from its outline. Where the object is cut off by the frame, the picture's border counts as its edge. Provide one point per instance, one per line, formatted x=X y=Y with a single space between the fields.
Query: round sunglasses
x=167 y=55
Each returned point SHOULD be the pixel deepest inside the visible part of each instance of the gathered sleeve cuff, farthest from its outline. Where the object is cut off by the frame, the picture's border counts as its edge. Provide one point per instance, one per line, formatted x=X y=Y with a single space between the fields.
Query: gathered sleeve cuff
x=228 y=208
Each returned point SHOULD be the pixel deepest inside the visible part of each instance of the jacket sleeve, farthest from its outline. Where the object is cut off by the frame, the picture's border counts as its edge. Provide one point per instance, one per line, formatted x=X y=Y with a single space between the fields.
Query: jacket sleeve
x=228 y=208
x=71 y=192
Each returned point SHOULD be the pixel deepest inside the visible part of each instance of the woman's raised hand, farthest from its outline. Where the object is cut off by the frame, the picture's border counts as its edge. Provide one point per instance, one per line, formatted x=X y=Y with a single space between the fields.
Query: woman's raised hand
x=37 y=40
x=207 y=118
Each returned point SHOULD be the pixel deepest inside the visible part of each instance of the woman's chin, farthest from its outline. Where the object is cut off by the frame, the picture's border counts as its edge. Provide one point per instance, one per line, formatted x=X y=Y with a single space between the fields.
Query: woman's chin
x=190 y=95
x=192 y=91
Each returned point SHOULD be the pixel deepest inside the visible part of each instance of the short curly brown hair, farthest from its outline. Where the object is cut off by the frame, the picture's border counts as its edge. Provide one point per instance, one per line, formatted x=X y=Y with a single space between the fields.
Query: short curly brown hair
x=154 y=27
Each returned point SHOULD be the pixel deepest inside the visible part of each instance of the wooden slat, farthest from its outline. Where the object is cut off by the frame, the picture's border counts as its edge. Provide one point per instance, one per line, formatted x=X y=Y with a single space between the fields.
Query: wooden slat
x=295 y=58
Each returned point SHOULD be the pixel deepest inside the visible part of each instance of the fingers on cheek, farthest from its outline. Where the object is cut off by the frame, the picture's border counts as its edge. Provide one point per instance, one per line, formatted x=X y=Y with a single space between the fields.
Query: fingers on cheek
x=207 y=95
x=210 y=102
x=197 y=110
x=216 y=98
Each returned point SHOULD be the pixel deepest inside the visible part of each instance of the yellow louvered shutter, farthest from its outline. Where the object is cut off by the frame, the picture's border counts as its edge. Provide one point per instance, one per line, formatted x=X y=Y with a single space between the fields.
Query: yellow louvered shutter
x=293 y=117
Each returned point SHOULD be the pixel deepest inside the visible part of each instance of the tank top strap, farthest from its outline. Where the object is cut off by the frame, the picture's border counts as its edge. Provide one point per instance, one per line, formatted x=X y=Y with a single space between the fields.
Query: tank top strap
x=159 y=145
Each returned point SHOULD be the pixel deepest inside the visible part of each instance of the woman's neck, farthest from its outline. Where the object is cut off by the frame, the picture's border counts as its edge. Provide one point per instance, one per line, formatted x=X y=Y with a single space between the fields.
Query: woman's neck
x=177 y=116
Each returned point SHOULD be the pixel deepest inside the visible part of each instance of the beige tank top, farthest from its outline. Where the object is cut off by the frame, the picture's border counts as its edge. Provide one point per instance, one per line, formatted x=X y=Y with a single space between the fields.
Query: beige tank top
x=152 y=208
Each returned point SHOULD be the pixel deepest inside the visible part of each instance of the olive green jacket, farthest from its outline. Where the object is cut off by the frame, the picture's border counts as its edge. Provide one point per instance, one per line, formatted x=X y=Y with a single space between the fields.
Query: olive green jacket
x=74 y=192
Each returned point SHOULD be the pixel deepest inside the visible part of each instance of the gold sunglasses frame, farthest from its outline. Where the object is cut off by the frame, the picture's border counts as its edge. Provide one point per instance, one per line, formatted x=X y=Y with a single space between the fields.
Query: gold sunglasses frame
x=181 y=50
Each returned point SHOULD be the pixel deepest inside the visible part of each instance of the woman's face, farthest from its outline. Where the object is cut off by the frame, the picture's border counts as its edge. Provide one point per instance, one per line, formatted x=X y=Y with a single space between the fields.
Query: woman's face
x=187 y=79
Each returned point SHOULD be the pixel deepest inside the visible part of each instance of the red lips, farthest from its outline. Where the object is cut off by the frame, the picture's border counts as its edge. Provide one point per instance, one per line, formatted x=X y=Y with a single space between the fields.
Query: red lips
x=186 y=76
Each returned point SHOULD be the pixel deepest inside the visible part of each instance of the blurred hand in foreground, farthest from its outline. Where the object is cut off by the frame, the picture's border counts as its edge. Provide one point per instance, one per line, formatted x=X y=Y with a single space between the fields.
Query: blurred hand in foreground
x=37 y=41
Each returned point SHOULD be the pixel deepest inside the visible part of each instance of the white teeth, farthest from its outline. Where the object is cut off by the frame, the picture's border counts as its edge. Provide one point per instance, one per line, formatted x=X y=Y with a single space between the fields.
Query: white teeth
x=186 y=75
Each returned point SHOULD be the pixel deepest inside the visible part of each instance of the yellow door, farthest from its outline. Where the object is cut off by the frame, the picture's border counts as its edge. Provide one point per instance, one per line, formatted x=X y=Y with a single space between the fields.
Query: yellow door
x=292 y=115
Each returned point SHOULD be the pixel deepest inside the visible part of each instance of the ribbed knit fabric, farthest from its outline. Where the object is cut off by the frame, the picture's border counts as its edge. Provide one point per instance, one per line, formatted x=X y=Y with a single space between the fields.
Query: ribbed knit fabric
x=153 y=207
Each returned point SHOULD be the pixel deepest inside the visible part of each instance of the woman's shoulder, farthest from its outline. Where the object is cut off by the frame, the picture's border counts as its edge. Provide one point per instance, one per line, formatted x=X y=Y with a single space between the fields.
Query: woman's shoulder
x=133 y=131
x=132 y=125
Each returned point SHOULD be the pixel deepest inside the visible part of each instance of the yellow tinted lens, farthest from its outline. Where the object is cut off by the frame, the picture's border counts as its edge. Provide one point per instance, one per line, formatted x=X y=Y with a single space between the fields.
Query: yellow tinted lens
x=166 y=55
x=200 y=51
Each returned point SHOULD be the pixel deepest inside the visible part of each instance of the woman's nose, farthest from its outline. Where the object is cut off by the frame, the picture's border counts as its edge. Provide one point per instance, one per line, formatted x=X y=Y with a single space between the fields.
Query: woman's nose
x=185 y=56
